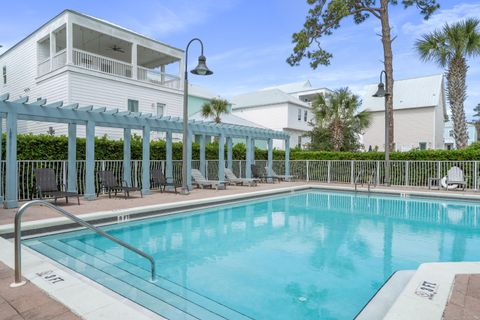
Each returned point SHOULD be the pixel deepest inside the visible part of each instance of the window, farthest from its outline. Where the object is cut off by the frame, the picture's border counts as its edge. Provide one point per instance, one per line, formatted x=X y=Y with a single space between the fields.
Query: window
x=423 y=145
x=132 y=105
x=299 y=144
x=305 y=115
x=160 y=109
x=299 y=114
x=451 y=133
x=4 y=74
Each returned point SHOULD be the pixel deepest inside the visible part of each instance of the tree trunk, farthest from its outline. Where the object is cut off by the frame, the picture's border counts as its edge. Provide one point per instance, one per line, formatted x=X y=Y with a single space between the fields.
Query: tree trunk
x=456 y=94
x=337 y=135
x=388 y=65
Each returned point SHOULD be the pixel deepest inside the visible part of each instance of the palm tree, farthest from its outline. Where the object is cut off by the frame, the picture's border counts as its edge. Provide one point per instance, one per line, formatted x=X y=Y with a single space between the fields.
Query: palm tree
x=338 y=115
x=215 y=108
x=450 y=47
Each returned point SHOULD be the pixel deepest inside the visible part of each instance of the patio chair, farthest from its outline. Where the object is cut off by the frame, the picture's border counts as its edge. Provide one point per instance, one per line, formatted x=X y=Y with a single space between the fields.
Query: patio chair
x=46 y=184
x=157 y=178
x=262 y=176
x=201 y=182
x=233 y=179
x=280 y=177
x=455 y=176
x=109 y=182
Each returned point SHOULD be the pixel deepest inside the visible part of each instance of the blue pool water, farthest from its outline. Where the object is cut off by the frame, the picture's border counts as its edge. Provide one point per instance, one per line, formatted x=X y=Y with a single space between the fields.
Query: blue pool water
x=309 y=255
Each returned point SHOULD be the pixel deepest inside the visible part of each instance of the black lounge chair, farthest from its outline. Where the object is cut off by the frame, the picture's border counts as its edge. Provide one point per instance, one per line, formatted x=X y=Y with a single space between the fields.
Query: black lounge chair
x=46 y=184
x=109 y=182
x=258 y=174
x=157 y=178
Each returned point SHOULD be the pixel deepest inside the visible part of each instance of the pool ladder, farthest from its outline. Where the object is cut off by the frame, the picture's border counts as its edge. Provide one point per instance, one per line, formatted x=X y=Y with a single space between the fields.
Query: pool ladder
x=41 y=203
x=371 y=180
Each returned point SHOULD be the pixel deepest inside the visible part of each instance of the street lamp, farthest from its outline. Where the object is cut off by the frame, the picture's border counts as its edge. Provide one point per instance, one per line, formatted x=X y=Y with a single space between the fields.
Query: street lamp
x=383 y=93
x=202 y=70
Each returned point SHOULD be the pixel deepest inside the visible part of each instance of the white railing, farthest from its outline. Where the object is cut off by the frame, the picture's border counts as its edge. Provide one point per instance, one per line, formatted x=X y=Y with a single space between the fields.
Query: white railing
x=402 y=173
x=59 y=59
x=43 y=67
x=157 y=77
x=95 y=62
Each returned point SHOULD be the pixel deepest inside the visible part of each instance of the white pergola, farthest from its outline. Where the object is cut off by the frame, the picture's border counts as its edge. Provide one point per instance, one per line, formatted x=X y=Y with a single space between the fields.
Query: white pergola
x=91 y=117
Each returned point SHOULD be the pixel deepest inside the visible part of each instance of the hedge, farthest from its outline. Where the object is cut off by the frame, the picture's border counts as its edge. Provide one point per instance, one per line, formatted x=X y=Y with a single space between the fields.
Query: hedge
x=45 y=147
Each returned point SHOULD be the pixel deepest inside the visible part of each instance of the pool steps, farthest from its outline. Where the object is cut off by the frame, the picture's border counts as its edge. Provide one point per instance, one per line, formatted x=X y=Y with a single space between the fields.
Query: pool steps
x=163 y=297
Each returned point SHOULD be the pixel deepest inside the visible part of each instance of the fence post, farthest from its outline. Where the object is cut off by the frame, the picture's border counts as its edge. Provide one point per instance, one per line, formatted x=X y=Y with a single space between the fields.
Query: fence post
x=406 y=173
x=206 y=169
x=475 y=175
x=378 y=173
x=136 y=173
x=352 y=171
x=308 y=177
x=329 y=171
x=239 y=167
x=439 y=169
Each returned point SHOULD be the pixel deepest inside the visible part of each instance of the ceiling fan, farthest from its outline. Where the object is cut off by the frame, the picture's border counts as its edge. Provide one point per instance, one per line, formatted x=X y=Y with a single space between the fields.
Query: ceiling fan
x=117 y=48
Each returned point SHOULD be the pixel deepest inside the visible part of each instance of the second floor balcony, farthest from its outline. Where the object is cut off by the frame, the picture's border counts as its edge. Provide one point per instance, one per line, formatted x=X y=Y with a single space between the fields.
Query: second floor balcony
x=102 y=53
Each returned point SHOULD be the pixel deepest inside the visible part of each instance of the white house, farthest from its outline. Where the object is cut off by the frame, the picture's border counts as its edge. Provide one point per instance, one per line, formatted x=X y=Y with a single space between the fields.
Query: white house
x=284 y=108
x=449 y=137
x=81 y=59
x=419 y=114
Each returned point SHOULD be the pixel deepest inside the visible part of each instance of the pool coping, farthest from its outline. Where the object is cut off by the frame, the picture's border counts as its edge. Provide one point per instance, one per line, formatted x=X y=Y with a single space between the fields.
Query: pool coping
x=410 y=305
x=83 y=296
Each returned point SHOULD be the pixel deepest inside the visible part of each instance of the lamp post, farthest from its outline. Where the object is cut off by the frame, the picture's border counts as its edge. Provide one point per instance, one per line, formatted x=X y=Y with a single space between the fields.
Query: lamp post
x=202 y=70
x=383 y=93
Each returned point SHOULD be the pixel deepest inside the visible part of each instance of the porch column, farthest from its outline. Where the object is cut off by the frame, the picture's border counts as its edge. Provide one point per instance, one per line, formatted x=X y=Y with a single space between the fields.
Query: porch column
x=221 y=157
x=229 y=153
x=11 y=184
x=252 y=146
x=53 y=48
x=72 y=157
x=127 y=163
x=69 y=42
x=287 y=157
x=146 y=160
x=270 y=158
x=202 y=154
x=90 y=161
x=162 y=74
x=248 y=158
x=134 y=61
x=168 y=157
x=189 y=159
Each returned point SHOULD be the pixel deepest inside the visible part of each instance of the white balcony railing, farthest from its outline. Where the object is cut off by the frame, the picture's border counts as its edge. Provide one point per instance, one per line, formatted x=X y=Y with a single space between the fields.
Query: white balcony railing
x=157 y=77
x=59 y=59
x=43 y=67
x=95 y=62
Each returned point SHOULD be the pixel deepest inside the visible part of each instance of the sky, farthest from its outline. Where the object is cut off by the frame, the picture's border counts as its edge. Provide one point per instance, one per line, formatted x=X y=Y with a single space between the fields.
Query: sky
x=247 y=42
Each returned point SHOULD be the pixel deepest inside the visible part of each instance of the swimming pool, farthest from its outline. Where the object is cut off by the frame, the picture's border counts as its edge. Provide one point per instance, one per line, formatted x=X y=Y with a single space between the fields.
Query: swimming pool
x=304 y=255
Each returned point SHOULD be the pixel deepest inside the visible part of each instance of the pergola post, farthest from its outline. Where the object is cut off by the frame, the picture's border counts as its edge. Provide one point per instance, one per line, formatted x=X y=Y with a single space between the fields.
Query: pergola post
x=90 y=161
x=221 y=158
x=252 y=146
x=189 y=159
x=248 y=157
x=11 y=159
x=270 y=159
x=229 y=153
x=146 y=160
x=72 y=157
x=287 y=158
x=169 y=157
x=127 y=163
x=202 y=154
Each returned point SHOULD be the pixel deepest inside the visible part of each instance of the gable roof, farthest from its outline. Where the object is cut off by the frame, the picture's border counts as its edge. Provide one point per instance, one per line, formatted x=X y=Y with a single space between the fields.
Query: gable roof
x=201 y=92
x=412 y=93
x=228 y=118
x=263 y=98
x=292 y=87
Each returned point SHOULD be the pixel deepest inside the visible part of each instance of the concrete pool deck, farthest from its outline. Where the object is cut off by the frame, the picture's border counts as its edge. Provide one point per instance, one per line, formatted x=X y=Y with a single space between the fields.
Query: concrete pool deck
x=103 y=206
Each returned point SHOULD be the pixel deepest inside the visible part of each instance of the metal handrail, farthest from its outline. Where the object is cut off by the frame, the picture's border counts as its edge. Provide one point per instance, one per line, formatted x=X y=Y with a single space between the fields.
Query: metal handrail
x=372 y=180
x=356 y=179
x=18 y=230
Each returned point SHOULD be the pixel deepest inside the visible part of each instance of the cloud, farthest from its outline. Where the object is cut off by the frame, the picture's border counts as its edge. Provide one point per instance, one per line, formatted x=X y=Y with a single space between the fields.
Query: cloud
x=178 y=16
x=455 y=14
